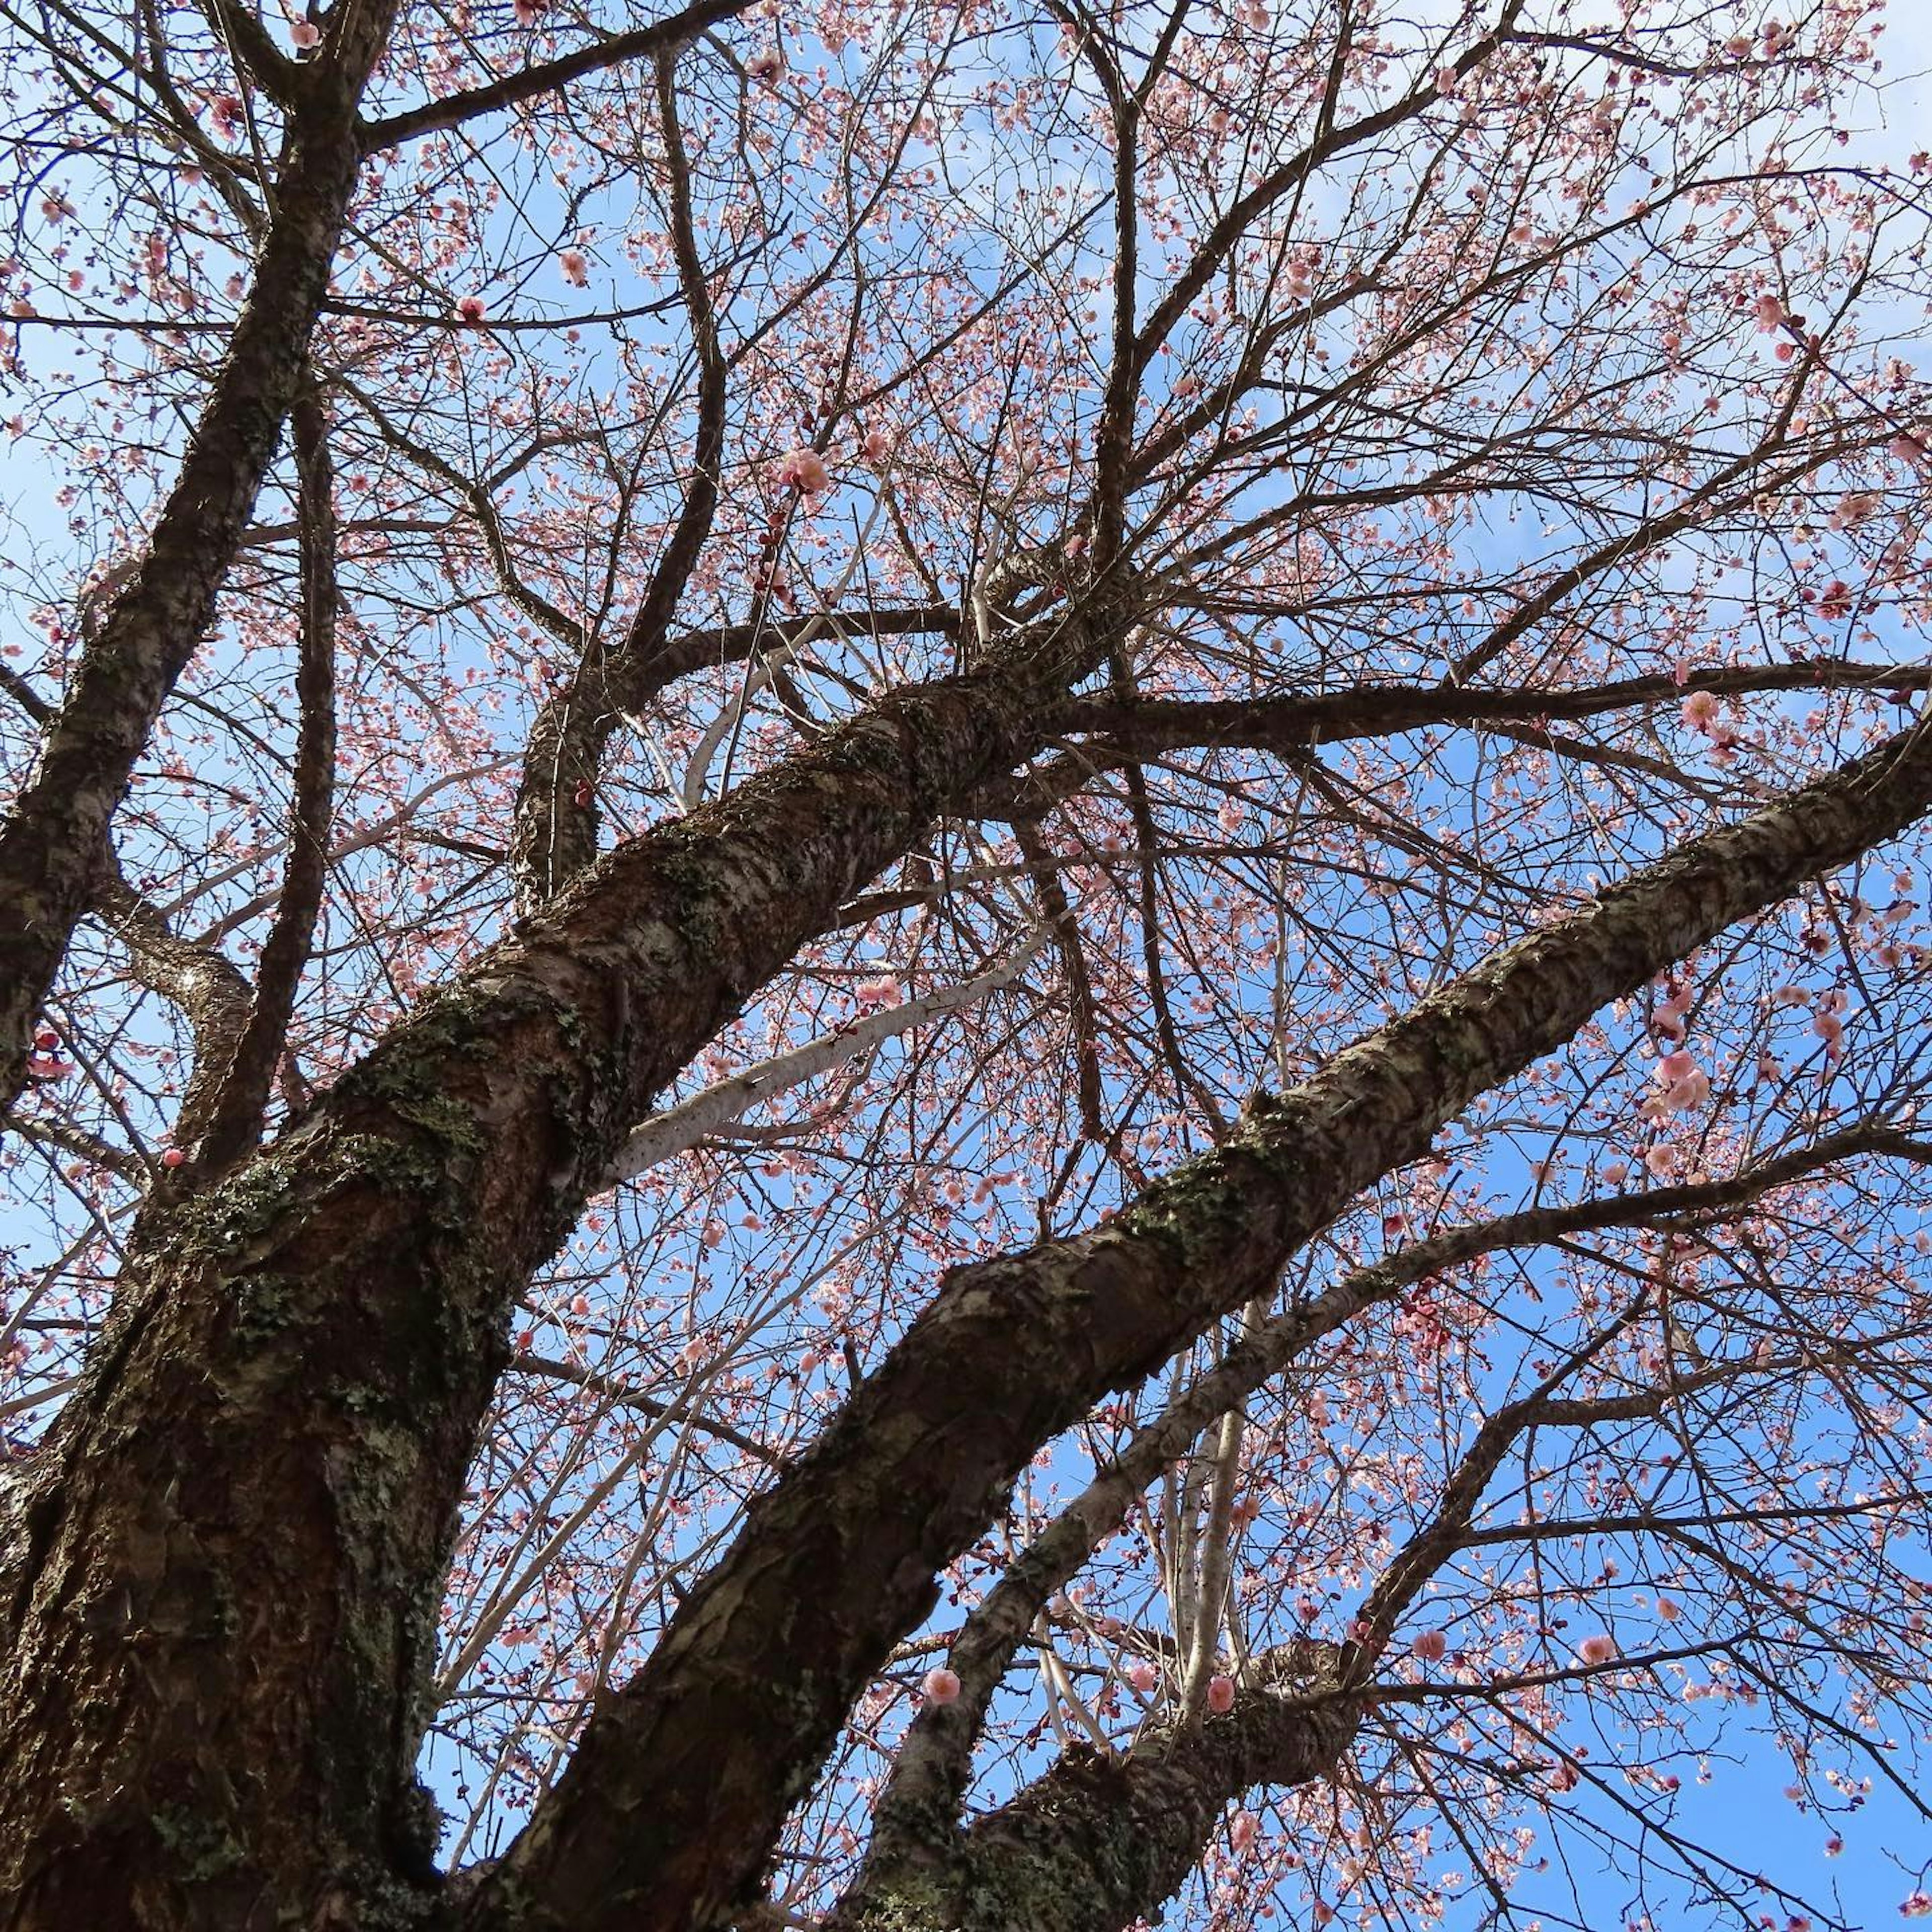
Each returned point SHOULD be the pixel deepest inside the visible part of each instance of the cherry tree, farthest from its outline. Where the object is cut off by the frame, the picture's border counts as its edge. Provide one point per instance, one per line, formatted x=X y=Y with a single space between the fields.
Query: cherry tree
x=961 y=966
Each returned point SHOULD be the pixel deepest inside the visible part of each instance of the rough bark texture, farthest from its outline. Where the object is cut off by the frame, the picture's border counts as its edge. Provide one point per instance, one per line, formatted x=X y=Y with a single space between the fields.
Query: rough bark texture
x=217 y=1594
x=932 y=1766
x=1097 y=1843
x=52 y=843
x=218 y=1583
x=554 y=839
x=665 y=1814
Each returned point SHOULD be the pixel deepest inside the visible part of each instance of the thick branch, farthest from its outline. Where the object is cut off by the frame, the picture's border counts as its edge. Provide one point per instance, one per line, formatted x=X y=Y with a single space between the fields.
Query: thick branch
x=929 y=1776
x=324 y=1329
x=1097 y=1844
x=52 y=843
x=235 y=1125
x=556 y=834
x=678 y=1788
x=1292 y=723
x=640 y=44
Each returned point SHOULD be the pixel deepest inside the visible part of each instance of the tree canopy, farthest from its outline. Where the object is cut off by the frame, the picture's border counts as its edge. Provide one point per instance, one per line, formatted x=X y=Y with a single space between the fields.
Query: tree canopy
x=962 y=965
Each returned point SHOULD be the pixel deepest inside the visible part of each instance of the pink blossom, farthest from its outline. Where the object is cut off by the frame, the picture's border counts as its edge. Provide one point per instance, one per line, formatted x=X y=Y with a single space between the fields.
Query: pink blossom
x=875 y=446
x=1769 y=311
x=803 y=470
x=576 y=269
x=174 y=1157
x=1143 y=1675
x=1904 y=448
x=767 y=65
x=1432 y=1646
x=470 y=308
x=1668 y=1611
x=1699 y=710
x=882 y=992
x=305 y=34
x=941 y=1686
x=1220 y=1694
x=1598 y=1649
x=529 y=12
x=1241 y=1831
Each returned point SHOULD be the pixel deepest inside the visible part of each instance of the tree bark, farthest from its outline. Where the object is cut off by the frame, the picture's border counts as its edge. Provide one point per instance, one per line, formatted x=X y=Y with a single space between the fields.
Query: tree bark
x=1095 y=1842
x=53 y=842
x=679 y=1787
x=218 y=1593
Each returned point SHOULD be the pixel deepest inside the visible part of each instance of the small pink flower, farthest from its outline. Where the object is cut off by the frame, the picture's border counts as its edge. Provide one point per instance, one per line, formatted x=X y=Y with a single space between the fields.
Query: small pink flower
x=1769 y=311
x=1904 y=448
x=1596 y=1649
x=875 y=445
x=941 y=1686
x=1220 y=1694
x=1674 y=1066
x=803 y=470
x=766 y=66
x=470 y=308
x=529 y=12
x=174 y=1157
x=1142 y=1675
x=305 y=34
x=1432 y=1646
x=576 y=269
x=1699 y=710
x=1668 y=1611
x=882 y=992
x=1241 y=1831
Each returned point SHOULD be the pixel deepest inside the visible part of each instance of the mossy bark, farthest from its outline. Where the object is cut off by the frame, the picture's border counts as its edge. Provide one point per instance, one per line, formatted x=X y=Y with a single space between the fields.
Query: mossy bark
x=216 y=1598
x=1096 y=1843
x=680 y=1786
